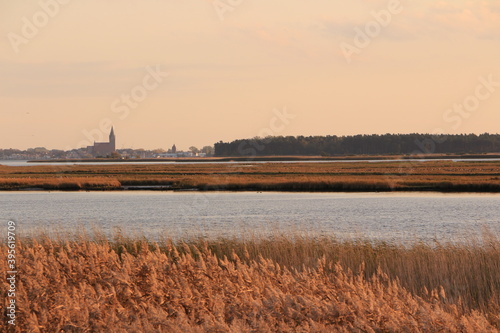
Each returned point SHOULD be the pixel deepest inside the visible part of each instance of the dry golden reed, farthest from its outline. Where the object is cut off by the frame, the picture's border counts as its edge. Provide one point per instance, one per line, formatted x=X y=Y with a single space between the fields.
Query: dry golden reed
x=342 y=176
x=282 y=284
x=60 y=183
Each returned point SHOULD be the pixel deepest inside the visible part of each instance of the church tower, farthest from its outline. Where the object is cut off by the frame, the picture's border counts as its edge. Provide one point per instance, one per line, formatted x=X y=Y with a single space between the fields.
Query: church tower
x=112 y=139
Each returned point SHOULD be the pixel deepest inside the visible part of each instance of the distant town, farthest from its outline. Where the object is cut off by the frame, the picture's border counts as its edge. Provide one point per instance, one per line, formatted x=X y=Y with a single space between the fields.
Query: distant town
x=371 y=145
x=103 y=150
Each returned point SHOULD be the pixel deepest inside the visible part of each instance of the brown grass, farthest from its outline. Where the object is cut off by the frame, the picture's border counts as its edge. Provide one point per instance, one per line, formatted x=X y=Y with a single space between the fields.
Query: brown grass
x=344 y=176
x=60 y=183
x=284 y=284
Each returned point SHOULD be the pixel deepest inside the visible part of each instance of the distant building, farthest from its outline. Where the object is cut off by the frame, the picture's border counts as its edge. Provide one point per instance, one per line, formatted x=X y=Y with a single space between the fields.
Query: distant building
x=173 y=152
x=103 y=148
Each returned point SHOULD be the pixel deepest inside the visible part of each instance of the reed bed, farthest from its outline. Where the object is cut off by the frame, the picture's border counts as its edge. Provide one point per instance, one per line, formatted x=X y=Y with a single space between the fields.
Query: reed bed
x=280 y=284
x=60 y=183
x=346 y=176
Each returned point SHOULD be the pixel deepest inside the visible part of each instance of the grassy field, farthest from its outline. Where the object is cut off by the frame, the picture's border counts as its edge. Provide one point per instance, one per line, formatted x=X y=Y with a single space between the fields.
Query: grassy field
x=341 y=176
x=280 y=284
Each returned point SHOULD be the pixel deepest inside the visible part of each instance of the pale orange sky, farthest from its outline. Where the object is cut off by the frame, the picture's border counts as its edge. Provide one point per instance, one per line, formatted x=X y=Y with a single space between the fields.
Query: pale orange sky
x=233 y=64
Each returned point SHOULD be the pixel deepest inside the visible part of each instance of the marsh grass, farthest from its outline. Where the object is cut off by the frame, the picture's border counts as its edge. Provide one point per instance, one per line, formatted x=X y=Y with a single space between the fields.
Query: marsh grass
x=345 y=176
x=90 y=283
x=60 y=183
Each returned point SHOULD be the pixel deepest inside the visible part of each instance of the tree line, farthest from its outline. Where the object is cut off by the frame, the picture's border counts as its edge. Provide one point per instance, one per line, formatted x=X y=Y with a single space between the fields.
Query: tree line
x=332 y=145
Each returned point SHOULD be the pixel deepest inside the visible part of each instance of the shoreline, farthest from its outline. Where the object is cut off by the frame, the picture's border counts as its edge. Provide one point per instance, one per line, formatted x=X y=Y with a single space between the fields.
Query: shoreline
x=337 y=188
x=277 y=158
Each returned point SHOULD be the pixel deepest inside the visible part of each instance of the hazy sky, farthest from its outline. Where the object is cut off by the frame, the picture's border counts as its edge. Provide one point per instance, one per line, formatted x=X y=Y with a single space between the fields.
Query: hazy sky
x=242 y=68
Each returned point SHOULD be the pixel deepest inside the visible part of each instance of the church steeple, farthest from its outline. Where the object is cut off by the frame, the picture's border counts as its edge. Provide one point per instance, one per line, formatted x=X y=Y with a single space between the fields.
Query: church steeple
x=112 y=139
x=112 y=135
x=104 y=148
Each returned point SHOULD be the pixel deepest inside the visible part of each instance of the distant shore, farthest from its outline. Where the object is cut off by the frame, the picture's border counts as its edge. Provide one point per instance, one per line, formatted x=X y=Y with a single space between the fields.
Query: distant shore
x=276 y=158
x=296 y=176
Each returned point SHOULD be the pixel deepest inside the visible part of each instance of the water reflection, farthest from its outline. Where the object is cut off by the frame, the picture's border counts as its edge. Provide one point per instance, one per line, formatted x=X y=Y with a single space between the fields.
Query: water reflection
x=382 y=216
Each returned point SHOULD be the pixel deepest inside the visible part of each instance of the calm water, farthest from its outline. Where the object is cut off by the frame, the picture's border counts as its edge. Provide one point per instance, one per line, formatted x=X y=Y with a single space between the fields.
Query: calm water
x=25 y=163
x=383 y=216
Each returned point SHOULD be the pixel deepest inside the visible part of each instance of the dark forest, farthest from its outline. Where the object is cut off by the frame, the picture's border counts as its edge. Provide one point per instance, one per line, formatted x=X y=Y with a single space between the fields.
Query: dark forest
x=387 y=144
